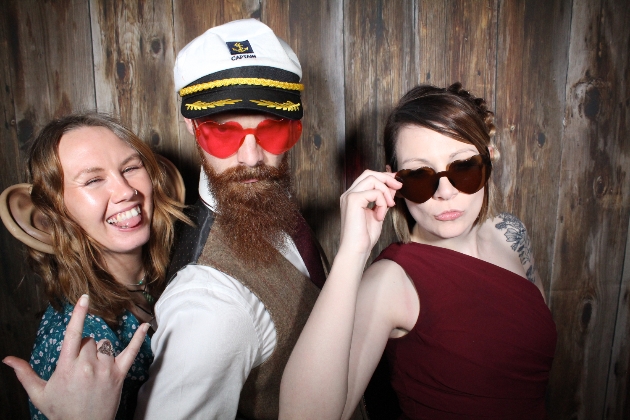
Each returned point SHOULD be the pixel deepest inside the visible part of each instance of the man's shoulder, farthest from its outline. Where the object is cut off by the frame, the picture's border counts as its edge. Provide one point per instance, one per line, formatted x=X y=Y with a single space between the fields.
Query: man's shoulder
x=201 y=300
x=205 y=286
x=190 y=239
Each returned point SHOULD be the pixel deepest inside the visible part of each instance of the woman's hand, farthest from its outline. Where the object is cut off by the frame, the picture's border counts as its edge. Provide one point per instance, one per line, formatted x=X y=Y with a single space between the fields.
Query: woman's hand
x=87 y=382
x=321 y=366
x=363 y=209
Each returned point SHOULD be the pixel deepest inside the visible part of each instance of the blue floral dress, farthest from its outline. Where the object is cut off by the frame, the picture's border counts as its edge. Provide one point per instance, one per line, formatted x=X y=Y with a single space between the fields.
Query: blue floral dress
x=52 y=330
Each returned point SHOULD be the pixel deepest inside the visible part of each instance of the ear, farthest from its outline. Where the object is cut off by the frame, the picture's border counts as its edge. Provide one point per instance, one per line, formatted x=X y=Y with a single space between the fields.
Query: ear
x=388 y=168
x=189 y=126
x=492 y=151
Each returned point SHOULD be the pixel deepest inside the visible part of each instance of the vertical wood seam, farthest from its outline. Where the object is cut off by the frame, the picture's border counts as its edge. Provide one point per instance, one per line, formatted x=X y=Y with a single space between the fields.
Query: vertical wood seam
x=416 y=40
x=497 y=11
x=562 y=151
x=46 y=72
x=12 y=83
x=174 y=50
x=89 y=6
x=610 y=370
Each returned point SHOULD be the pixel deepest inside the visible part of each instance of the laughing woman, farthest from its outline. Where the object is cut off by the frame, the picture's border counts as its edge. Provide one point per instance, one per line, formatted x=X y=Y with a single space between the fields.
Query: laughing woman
x=456 y=305
x=104 y=196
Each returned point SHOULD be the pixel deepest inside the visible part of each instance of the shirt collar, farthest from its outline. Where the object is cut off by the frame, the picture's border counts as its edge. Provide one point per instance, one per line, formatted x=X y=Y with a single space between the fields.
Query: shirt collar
x=204 y=191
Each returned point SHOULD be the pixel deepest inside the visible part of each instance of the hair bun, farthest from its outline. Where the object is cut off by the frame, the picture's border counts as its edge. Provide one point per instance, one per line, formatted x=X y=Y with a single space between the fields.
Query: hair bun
x=479 y=104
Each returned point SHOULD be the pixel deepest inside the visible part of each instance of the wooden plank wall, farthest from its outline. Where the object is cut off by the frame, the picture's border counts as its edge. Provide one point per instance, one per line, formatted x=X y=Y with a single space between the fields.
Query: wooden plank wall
x=555 y=72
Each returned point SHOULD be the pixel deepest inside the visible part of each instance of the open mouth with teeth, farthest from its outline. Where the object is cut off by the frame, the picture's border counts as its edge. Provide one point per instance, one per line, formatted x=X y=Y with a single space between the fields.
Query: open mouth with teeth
x=127 y=219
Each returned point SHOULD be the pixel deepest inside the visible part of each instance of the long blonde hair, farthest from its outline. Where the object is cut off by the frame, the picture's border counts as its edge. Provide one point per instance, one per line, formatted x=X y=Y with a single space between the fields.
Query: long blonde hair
x=77 y=265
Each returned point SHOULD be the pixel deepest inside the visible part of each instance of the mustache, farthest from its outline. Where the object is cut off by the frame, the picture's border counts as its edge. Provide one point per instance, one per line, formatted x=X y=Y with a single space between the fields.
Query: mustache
x=261 y=172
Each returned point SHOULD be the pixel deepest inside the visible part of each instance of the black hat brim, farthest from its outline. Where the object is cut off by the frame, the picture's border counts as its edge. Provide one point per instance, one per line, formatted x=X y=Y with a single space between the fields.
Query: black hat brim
x=280 y=102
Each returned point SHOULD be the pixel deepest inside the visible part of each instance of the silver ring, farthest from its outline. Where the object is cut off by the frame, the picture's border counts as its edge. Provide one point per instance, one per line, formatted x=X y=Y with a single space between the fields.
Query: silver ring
x=136 y=192
x=106 y=348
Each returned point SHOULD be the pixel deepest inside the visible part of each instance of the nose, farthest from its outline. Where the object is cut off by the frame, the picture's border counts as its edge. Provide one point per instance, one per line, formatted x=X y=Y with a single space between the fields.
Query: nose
x=250 y=153
x=445 y=190
x=121 y=189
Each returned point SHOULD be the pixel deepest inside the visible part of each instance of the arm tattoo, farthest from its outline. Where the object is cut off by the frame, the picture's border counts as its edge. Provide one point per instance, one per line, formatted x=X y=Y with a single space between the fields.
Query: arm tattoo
x=530 y=274
x=515 y=232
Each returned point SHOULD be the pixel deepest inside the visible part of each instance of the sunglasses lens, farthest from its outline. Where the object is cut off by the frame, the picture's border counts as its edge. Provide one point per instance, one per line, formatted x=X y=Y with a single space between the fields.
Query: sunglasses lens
x=278 y=136
x=223 y=140
x=418 y=185
x=220 y=140
x=468 y=176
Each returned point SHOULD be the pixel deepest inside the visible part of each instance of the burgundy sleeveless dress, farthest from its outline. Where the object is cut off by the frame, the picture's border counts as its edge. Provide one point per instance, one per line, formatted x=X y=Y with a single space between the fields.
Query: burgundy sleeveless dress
x=482 y=346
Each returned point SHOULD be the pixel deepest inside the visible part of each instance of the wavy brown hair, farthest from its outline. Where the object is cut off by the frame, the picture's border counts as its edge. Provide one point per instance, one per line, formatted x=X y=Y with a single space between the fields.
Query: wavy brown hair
x=78 y=266
x=453 y=112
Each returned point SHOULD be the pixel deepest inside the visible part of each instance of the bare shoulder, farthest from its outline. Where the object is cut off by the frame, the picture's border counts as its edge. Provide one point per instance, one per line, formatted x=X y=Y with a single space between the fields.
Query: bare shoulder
x=511 y=232
x=388 y=277
x=514 y=234
x=508 y=245
x=385 y=279
x=384 y=269
x=388 y=287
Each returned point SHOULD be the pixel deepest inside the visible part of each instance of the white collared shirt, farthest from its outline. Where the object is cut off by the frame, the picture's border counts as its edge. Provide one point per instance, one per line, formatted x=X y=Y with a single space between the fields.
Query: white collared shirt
x=212 y=331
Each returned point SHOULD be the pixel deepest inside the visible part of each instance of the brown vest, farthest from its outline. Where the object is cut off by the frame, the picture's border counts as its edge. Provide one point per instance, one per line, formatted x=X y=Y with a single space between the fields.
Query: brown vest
x=288 y=296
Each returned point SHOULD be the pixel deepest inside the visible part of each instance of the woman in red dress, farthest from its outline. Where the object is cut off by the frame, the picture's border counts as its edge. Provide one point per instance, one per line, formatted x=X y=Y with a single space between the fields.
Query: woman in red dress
x=457 y=305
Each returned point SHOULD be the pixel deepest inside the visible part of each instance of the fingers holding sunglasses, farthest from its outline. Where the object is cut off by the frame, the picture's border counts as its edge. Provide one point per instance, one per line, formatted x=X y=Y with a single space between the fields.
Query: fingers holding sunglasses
x=383 y=181
x=361 y=224
x=363 y=209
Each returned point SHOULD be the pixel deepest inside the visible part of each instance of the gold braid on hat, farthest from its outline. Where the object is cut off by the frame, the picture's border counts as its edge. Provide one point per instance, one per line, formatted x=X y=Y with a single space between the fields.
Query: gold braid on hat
x=252 y=81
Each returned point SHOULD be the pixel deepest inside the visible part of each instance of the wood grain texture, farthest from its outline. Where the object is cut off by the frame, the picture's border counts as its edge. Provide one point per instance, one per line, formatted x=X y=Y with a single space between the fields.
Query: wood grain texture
x=381 y=56
x=14 y=340
x=556 y=74
x=457 y=43
x=46 y=71
x=317 y=159
x=614 y=59
x=530 y=122
x=133 y=61
x=618 y=388
x=54 y=72
x=593 y=209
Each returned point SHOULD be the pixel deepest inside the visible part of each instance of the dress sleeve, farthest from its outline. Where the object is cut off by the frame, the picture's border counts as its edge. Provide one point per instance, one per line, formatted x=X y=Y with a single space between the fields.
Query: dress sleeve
x=48 y=342
x=205 y=347
x=46 y=350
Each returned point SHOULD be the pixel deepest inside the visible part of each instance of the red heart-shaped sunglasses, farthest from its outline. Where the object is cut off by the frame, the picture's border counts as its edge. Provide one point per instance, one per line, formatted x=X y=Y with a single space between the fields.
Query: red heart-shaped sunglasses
x=223 y=140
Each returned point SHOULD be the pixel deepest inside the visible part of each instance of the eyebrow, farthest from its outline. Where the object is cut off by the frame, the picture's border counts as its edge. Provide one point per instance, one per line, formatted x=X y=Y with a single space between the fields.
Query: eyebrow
x=463 y=151
x=130 y=158
x=98 y=169
x=451 y=156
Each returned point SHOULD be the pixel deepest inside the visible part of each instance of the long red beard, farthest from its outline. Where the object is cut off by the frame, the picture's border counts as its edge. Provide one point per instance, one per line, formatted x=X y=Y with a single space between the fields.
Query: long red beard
x=256 y=216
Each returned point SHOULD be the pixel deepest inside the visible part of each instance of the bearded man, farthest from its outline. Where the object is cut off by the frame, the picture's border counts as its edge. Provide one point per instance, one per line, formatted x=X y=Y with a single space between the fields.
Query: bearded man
x=246 y=277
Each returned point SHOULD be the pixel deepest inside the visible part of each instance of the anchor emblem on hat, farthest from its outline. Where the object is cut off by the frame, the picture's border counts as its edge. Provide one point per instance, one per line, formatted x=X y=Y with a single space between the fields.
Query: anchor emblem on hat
x=238 y=47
